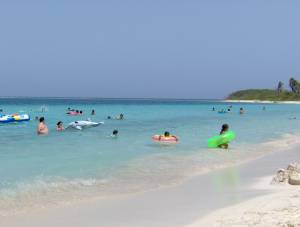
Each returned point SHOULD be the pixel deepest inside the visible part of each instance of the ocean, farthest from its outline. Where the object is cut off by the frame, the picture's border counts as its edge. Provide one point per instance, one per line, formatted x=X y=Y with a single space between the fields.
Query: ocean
x=37 y=171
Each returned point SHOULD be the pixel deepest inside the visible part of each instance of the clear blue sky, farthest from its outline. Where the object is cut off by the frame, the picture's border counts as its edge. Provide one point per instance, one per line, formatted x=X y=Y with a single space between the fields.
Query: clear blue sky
x=155 y=48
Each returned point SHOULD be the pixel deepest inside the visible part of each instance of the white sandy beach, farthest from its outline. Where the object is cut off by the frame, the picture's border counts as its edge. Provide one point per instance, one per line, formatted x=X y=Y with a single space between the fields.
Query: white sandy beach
x=280 y=208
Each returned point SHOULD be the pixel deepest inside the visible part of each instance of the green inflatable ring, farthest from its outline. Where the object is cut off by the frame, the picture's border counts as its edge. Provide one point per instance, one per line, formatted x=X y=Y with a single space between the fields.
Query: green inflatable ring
x=216 y=141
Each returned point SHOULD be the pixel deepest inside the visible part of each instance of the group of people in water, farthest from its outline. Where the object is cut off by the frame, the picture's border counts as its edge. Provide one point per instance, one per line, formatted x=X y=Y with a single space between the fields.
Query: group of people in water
x=42 y=128
x=228 y=110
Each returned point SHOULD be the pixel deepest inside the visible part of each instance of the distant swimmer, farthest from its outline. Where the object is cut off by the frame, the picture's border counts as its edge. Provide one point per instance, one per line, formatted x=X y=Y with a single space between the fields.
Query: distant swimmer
x=242 y=111
x=225 y=128
x=213 y=109
x=42 y=127
x=120 y=117
x=292 y=118
x=115 y=133
x=60 y=126
x=264 y=108
x=93 y=112
x=108 y=117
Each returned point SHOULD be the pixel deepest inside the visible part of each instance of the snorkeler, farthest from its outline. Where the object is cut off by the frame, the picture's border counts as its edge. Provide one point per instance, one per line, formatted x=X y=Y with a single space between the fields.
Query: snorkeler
x=224 y=129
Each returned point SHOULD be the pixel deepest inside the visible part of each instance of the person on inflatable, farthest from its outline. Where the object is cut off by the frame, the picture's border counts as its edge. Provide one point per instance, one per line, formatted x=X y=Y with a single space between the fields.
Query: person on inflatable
x=42 y=127
x=225 y=128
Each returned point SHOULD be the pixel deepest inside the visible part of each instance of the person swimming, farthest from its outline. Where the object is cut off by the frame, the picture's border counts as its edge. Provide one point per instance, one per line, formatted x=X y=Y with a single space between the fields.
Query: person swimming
x=115 y=133
x=225 y=128
x=42 y=127
x=108 y=117
x=120 y=117
x=93 y=112
x=59 y=126
x=242 y=111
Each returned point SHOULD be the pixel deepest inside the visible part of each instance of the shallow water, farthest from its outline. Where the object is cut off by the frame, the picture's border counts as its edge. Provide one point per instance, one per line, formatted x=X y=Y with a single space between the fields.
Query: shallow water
x=74 y=164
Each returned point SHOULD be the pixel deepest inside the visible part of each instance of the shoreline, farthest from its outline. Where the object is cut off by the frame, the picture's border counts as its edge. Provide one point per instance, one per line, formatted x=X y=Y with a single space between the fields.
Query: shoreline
x=189 y=201
x=261 y=101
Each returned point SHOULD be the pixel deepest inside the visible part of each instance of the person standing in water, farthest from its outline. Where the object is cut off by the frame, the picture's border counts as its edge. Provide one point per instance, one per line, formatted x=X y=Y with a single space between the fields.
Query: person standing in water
x=225 y=128
x=42 y=127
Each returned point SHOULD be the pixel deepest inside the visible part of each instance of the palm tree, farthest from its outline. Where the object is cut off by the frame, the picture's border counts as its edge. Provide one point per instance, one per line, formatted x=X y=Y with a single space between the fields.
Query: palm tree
x=294 y=85
x=280 y=87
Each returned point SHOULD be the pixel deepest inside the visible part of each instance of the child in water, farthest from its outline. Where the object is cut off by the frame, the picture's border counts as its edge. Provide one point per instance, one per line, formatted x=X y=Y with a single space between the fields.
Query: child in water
x=224 y=129
x=59 y=126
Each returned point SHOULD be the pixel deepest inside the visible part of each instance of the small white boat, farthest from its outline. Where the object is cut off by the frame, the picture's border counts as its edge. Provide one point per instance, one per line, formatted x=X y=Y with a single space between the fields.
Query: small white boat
x=84 y=124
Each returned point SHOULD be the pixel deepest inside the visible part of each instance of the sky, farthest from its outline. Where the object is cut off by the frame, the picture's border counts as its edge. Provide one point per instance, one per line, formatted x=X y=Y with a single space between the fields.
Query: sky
x=146 y=49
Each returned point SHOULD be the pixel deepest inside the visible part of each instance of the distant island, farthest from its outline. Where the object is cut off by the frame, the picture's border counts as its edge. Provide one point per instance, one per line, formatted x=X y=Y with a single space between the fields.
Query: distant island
x=277 y=94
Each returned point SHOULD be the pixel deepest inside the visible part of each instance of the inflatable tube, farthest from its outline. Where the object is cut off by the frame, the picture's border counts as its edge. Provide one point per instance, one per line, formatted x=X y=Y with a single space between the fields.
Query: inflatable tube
x=216 y=141
x=73 y=113
x=84 y=124
x=162 y=138
x=14 y=118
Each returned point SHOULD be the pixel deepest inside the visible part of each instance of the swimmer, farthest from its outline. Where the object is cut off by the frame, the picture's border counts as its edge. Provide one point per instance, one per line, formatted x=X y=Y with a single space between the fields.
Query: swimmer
x=80 y=112
x=115 y=133
x=224 y=129
x=36 y=118
x=213 y=109
x=242 y=111
x=121 y=117
x=108 y=117
x=42 y=127
x=264 y=108
x=59 y=126
x=93 y=112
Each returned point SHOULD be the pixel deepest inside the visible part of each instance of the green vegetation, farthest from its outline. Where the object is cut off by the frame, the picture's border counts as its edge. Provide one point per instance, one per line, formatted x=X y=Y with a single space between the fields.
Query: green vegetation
x=278 y=94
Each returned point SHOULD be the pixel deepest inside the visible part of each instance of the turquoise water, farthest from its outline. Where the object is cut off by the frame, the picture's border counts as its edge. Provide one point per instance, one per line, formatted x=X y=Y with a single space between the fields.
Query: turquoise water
x=89 y=162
